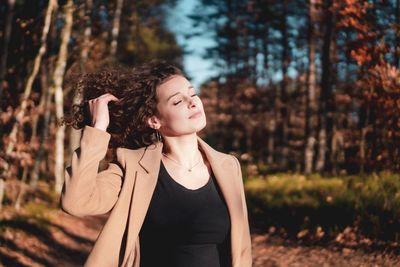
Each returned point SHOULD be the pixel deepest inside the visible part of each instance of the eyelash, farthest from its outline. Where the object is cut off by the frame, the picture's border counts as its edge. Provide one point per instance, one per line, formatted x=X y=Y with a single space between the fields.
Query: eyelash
x=181 y=100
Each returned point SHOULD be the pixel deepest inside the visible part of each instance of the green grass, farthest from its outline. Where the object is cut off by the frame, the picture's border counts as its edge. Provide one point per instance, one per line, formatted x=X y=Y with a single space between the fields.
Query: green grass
x=297 y=202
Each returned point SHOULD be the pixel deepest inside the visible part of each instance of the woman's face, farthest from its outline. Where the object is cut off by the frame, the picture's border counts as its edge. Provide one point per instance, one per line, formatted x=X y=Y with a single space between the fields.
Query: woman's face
x=180 y=110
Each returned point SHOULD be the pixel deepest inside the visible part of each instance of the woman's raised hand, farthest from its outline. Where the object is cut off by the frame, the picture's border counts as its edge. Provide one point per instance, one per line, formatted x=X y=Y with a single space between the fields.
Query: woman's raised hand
x=99 y=110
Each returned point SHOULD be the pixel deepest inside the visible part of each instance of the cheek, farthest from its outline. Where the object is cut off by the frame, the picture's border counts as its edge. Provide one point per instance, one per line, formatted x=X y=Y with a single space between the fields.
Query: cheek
x=175 y=114
x=178 y=115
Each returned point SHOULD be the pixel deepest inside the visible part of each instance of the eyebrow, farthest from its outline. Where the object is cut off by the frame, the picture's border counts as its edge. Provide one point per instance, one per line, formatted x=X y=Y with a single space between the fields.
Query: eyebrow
x=178 y=93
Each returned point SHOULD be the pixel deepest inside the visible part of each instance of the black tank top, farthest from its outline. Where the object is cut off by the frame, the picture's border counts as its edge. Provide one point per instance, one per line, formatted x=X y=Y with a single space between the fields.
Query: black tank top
x=185 y=227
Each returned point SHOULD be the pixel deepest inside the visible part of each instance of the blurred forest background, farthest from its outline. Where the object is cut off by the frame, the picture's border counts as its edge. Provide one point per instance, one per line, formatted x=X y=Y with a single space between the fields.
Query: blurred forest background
x=307 y=95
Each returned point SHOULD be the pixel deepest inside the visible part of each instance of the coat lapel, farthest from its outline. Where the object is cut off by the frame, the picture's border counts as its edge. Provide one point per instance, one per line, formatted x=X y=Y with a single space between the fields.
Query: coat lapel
x=146 y=180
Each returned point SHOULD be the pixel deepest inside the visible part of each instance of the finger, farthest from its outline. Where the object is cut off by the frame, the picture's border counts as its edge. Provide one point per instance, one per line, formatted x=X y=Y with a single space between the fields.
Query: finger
x=106 y=95
x=114 y=98
x=109 y=98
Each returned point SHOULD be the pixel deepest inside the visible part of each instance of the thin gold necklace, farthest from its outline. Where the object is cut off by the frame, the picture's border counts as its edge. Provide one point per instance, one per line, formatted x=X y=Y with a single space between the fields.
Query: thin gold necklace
x=189 y=169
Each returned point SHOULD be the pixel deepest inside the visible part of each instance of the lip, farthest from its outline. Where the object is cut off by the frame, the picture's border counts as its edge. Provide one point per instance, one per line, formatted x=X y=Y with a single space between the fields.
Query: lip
x=195 y=115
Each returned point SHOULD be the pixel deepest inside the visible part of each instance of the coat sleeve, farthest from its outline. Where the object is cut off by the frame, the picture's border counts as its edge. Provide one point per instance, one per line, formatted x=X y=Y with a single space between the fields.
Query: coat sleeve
x=246 y=253
x=85 y=190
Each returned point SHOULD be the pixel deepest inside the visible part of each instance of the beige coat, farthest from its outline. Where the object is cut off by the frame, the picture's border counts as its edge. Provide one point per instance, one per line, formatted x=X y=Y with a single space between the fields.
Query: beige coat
x=125 y=188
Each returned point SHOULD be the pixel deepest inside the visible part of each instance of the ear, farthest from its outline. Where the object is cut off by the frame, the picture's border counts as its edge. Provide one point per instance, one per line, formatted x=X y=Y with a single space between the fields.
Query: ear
x=154 y=122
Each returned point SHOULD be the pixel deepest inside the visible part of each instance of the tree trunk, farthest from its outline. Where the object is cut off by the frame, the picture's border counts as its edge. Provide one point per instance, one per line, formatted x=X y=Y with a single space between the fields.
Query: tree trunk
x=28 y=88
x=44 y=105
x=363 y=148
x=325 y=126
x=397 y=44
x=271 y=141
x=22 y=188
x=272 y=122
x=3 y=67
x=134 y=30
x=2 y=190
x=284 y=100
x=75 y=135
x=87 y=34
x=34 y=137
x=311 y=106
x=115 y=29
x=265 y=44
x=4 y=54
x=322 y=146
x=364 y=129
x=57 y=88
x=337 y=150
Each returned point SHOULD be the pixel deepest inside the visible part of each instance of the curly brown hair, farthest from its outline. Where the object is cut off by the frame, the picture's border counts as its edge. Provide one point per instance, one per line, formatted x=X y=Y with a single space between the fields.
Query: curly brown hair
x=136 y=90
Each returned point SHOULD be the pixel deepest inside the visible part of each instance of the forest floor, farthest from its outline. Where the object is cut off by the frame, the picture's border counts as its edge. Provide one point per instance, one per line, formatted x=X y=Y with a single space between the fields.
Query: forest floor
x=64 y=240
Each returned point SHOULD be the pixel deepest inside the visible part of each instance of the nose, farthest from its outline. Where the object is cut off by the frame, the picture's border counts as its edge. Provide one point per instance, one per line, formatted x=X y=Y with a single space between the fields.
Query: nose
x=191 y=102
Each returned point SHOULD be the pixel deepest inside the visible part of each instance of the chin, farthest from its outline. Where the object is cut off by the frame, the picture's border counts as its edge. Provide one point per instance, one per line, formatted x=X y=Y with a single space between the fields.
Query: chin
x=200 y=128
x=202 y=121
x=191 y=127
x=205 y=123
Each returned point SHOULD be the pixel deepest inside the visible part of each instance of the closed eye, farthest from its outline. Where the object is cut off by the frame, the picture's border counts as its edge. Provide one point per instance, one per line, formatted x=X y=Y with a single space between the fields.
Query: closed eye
x=181 y=100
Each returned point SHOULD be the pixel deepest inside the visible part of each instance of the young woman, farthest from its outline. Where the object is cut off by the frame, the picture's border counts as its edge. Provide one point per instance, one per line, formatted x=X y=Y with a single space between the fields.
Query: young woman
x=173 y=200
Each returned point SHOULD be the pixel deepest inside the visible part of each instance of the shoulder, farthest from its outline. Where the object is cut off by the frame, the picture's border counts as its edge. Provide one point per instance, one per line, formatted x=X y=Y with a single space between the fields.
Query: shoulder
x=236 y=163
x=228 y=156
x=232 y=161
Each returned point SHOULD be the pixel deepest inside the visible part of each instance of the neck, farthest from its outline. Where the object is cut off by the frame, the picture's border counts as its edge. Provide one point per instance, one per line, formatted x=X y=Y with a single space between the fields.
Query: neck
x=183 y=149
